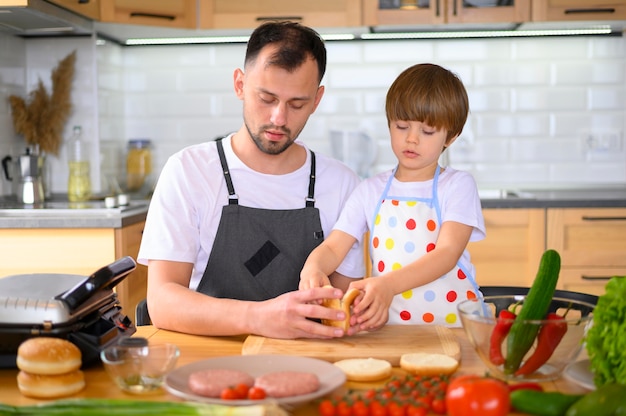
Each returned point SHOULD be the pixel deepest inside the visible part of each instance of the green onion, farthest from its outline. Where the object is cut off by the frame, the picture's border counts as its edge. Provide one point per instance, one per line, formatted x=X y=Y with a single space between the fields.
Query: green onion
x=109 y=407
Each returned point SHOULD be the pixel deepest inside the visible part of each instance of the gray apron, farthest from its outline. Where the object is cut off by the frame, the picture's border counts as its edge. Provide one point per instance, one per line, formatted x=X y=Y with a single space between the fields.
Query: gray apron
x=258 y=253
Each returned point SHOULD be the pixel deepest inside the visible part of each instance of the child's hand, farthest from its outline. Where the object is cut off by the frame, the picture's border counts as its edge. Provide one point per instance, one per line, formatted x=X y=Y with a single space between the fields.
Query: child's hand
x=372 y=310
x=312 y=280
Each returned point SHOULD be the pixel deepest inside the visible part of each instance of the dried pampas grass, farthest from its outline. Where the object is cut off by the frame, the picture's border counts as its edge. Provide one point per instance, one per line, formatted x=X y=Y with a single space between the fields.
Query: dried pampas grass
x=41 y=121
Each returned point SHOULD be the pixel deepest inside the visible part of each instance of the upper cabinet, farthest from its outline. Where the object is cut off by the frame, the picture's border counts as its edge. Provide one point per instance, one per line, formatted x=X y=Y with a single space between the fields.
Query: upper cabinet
x=574 y=10
x=166 y=13
x=248 y=14
x=416 y=12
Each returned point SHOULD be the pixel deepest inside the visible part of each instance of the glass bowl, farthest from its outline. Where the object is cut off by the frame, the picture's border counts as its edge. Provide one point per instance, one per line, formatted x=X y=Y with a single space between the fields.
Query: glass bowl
x=479 y=318
x=139 y=369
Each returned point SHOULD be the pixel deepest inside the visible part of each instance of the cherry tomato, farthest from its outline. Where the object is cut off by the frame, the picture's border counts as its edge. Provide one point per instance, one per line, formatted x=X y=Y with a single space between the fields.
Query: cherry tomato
x=474 y=395
x=326 y=408
x=242 y=391
x=229 y=393
x=377 y=408
x=416 y=410
x=359 y=408
x=256 y=393
x=343 y=409
x=438 y=406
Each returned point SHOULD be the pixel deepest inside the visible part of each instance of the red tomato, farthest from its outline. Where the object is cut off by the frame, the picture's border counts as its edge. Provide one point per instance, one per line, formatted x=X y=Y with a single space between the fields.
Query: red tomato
x=229 y=393
x=438 y=406
x=474 y=395
x=242 y=390
x=343 y=408
x=359 y=408
x=377 y=409
x=416 y=410
x=256 y=393
x=326 y=408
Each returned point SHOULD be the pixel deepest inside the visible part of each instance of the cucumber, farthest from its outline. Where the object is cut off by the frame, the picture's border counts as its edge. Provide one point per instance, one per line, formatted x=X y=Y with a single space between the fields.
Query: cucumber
x=543 y=403
x=606 y=400
x=521 y=336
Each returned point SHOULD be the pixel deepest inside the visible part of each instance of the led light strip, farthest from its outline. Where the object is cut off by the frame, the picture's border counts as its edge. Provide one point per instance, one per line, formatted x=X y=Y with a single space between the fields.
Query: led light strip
x=597 y=30
x=217 y=39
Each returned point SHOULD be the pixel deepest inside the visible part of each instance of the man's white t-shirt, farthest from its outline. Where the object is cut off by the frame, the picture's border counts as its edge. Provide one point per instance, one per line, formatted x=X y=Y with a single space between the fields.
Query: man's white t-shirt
x=187 y=203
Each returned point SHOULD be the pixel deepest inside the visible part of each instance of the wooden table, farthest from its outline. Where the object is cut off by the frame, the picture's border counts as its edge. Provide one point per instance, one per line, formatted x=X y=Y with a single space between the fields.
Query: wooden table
x=196 y=348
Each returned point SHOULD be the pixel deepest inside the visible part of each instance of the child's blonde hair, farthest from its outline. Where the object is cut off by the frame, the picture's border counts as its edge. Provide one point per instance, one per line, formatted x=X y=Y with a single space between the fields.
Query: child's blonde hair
x=430 y=94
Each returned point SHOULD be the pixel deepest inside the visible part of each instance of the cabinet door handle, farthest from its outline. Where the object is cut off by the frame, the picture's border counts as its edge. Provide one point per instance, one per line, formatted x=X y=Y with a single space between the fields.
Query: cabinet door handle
x=152 y=15
x=588 y=218
x=595 y=277
x=591 y=10
x=264 y=18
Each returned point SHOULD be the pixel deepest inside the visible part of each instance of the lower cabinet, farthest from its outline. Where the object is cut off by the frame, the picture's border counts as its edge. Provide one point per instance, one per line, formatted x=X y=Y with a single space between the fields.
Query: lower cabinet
x=75 y=251
x=592 y=244
x=510 y=254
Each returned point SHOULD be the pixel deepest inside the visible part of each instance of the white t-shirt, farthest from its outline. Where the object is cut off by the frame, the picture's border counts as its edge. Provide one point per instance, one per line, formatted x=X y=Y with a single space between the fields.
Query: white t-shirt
x=456 y=191
x=186 y=206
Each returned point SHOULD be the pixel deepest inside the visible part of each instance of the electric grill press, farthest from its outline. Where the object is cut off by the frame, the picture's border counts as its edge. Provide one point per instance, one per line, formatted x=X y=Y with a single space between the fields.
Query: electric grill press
x=83 y=310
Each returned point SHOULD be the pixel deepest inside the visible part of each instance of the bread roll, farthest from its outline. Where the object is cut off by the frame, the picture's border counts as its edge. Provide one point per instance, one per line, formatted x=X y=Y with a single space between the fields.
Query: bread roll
x=428 y=364
x=45 y=386
x=48 y=355
x=365 y=369
x=344 y=304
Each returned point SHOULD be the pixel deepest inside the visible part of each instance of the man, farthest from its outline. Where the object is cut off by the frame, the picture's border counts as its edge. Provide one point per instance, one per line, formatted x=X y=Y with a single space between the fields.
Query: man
x=231 y=222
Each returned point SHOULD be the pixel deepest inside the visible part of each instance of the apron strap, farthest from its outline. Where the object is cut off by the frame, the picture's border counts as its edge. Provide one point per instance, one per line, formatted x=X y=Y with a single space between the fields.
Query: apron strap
x=233 y=199
x=310 y=199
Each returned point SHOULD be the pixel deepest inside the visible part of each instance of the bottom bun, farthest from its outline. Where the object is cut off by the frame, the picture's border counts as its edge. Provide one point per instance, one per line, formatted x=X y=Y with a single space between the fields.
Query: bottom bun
x=50 y=386
x=428 y=364
x=365 y=369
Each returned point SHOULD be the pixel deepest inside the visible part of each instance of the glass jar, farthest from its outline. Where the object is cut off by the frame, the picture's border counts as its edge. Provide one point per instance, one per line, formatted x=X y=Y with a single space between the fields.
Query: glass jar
x=138 y=165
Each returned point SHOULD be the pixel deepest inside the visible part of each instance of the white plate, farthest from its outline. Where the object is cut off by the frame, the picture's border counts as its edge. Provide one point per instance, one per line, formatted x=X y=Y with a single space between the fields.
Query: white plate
x=580 y=373
x=330 y=376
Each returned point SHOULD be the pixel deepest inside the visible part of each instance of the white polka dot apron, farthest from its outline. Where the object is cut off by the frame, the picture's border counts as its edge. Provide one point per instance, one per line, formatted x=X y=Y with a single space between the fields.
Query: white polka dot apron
x=404 y=229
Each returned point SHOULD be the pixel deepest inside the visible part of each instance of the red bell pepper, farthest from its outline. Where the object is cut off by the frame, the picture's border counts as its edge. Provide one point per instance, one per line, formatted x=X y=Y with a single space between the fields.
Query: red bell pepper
x=500 y=331
x=549 y=337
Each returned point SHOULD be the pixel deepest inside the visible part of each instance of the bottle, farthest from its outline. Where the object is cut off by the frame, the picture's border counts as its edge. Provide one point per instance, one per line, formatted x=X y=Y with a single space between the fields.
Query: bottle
x=138 y=165
x=79 y=183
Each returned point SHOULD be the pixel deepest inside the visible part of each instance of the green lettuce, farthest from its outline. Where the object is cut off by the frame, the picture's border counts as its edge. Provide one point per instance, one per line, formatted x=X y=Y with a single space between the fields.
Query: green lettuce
x=606 y=339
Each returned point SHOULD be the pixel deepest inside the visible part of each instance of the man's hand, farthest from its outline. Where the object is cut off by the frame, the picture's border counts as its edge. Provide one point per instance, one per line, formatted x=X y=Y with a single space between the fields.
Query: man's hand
x=294 y=315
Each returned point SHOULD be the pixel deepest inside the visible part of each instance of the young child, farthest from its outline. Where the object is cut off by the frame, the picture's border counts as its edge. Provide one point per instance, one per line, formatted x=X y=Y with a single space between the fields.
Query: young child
x=420 y=216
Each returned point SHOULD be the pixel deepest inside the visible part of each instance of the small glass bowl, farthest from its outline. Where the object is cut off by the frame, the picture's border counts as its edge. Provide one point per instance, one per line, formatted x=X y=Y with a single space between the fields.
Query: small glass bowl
x=137 y=368
x=478 y=317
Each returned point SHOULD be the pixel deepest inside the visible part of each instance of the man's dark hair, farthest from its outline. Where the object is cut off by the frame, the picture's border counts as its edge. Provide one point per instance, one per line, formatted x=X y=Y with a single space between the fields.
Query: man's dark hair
x=296 y=44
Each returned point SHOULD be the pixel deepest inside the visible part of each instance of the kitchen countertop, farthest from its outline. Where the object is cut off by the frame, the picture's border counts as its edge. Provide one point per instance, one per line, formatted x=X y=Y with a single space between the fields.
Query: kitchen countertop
x=59 y=213
x=569 y=198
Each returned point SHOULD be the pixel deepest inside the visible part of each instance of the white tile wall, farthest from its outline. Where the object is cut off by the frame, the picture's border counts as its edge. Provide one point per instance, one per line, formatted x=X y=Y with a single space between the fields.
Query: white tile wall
x=535 y=102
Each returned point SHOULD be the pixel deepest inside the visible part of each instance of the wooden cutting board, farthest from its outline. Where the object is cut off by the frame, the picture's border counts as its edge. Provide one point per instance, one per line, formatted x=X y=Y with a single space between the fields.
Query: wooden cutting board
x=388 y=343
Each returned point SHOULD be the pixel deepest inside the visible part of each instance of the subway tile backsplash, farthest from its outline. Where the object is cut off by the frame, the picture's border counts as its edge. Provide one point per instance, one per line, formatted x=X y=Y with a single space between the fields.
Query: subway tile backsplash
x=545 y=112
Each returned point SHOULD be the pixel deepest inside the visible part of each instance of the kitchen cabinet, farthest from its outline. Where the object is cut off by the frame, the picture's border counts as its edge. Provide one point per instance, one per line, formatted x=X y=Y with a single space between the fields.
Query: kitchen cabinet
x=592 y=244
x=75 y=251
x=511 y=252
x=442 y=12
x=176 y=14
x=248 y=14
x=572 y=10
x=90 y=9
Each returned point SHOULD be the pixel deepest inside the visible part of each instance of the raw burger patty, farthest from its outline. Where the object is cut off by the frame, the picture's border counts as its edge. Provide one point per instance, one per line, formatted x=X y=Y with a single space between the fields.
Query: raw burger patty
x=288 y=383
x=210 y=383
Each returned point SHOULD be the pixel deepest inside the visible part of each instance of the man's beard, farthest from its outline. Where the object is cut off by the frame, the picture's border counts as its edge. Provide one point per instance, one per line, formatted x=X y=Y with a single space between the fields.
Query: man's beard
x=269 y=147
